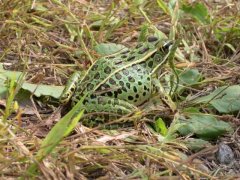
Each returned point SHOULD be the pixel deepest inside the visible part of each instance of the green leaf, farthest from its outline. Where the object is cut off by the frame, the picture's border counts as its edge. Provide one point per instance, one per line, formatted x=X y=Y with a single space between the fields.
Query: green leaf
x=3 y=91
x=36 y=89
x=9 y=74
x=204 y=126
x=197 y=11
x=73 y=123
x=224 y=99
x=4 y=76
x=109 y=48
x=189 y=77
x=160 y=126
x=196 y=144
x=191 y=110
x=43 y=90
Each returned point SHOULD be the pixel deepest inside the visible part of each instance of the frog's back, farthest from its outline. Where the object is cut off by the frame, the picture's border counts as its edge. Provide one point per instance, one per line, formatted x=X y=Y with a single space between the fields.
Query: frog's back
x=120 y=76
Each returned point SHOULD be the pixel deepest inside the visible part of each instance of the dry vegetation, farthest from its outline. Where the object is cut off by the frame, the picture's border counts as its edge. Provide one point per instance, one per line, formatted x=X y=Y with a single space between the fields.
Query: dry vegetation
x=48 y=40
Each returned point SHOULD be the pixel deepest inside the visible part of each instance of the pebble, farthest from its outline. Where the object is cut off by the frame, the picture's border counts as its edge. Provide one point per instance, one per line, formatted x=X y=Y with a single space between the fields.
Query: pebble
x=224 y=154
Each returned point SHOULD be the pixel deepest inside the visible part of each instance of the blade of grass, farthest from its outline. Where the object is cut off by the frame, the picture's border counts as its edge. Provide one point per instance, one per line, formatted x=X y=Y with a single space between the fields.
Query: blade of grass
x=163 y=6
x=58 y=132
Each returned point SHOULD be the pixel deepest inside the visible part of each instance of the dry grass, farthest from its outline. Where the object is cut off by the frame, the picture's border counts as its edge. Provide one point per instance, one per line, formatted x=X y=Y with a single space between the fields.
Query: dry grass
x=42 y=38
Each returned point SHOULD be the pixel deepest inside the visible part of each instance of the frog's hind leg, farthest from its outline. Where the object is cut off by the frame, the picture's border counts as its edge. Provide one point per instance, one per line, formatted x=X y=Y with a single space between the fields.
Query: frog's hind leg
x=108 y=104
x=105 y=109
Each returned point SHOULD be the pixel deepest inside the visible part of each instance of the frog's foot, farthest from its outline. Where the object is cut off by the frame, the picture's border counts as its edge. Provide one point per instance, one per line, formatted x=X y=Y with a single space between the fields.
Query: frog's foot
x=70 y=88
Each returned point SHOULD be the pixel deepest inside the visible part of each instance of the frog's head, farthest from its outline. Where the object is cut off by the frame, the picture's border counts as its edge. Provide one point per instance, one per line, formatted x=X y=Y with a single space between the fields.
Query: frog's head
x=162 y=50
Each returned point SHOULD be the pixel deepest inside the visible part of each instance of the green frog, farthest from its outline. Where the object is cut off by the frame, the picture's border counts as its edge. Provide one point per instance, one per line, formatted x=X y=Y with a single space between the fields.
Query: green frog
x=116 y=84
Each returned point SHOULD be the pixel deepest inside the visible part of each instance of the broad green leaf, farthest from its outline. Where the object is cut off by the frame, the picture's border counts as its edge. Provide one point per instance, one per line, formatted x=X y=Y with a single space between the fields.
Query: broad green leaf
x=36 y=89
x=189 y=77
x=109 y=48
x=43 y=90
x=4 y=74
x=224 y=99
x=198 y=11
x=160 y=126
x=204 y=126
x=191 y=110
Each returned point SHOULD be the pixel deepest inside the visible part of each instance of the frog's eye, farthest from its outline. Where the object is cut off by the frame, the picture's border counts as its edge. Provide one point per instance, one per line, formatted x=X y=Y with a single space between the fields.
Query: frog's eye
x=167 y=46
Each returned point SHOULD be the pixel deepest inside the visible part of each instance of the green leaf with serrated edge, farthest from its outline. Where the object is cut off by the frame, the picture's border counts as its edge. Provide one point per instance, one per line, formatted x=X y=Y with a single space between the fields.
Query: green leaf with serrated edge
x=43 y=90
x=204 y=126
x=189 y=76
x=36 y=89
x=225 y=99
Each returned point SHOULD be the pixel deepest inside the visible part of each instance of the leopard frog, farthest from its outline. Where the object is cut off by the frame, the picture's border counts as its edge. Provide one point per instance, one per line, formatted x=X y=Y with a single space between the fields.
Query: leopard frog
x=118 y=83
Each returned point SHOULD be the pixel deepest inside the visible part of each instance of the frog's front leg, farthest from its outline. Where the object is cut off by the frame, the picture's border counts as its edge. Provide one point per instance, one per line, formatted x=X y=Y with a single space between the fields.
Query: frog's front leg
x=158 y=89
x=70 y=88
